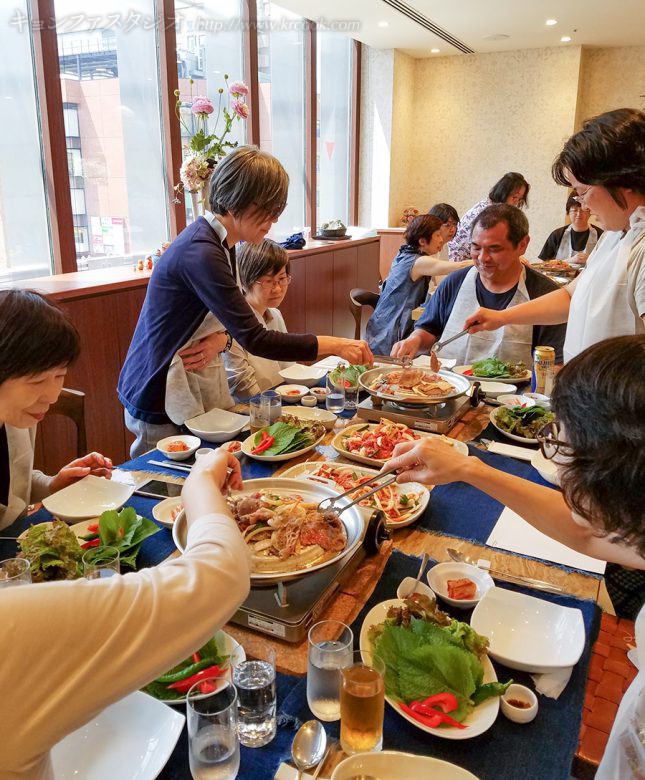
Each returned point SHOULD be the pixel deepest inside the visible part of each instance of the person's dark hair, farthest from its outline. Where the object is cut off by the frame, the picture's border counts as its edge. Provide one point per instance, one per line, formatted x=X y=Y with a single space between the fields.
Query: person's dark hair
x=422 y=226
x=572 y=202
x=516 y=222
x=599 y=398
x=35 y=335
x=257 y=260
x=507 y=185
x=249 y=177
x=609 y=151
x=445 y=212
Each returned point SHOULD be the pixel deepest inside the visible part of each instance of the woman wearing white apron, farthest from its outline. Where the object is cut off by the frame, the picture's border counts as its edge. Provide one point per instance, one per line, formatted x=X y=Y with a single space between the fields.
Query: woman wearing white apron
x=573 y=242
x=264 y=276
x=608 y=299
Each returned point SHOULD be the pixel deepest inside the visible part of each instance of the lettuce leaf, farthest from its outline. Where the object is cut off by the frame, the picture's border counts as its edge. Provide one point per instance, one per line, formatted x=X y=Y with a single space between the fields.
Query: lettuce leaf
x=53 y=551
x=125 y=530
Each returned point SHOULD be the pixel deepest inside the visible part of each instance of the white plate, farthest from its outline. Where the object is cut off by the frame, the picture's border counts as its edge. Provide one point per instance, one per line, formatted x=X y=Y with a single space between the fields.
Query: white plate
x=509 y=400
x=289 y=397
x=545 y=468
x=494 y=389
x=162 y=512
x=89 y=497
x=528 y=633
x=298 y=374
x=337 y=444
x=192 y=442
x=217 y=426
x=312 y=413
x=309 y=467
x=525 y=377
x=132 y=738
x=248 y=445
x=493 y=419
x=479 y=720
x=439 y=575
x=398 y=766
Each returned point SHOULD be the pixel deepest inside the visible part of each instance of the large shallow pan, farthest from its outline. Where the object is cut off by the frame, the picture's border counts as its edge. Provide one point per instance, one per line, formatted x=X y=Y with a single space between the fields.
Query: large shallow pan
x=460 y=383
x=351 y=518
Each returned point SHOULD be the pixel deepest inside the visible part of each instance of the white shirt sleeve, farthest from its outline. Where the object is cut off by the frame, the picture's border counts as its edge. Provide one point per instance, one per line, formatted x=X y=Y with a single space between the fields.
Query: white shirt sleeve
x=72 y=648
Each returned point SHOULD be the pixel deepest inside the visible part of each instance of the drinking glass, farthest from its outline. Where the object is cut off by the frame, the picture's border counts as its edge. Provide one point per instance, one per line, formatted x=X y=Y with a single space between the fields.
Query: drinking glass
x=330 y=649
x=335 y=398
x=362 y=701
x=101 y=562
x=14 y=571
x=213 y=746
x=254 y=679
x=272 y=404
x=258 y=414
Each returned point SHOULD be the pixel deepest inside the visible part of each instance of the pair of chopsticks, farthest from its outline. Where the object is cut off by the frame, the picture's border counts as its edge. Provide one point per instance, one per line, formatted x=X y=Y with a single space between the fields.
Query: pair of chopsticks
x=330 y=502
x=169 y=464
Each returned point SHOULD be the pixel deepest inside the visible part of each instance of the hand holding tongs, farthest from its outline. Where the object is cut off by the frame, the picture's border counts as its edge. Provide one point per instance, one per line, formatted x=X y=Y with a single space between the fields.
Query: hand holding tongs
x=405 y=361
x=331 y=501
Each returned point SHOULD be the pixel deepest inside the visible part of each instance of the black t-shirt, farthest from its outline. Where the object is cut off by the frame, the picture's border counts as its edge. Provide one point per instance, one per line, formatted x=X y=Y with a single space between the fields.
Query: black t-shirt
x=5 y=476
x=578 y=242
x=439 y=307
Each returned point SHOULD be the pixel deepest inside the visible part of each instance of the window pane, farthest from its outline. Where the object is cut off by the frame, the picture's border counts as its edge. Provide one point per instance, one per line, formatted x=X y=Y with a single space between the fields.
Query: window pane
x=110 y=85
x=25 y=249
x=209 y=45
x=334 y=89
x=281 y=57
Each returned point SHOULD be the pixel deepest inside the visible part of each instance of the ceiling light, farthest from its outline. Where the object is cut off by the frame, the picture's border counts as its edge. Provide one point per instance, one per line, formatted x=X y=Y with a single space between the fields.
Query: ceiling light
x=565 y=39
x=435 y=51
x=551 y=22
x=383 y=24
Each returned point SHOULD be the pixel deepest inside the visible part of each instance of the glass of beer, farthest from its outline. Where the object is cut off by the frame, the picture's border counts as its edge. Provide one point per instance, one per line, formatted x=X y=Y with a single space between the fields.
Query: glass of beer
x=362 y=702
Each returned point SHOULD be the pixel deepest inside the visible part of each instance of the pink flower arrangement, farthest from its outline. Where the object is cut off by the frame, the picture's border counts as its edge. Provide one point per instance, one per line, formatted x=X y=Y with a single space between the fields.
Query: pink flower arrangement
x=195 y=173
x=240 y=108
x=238 y=89
x=202 y=105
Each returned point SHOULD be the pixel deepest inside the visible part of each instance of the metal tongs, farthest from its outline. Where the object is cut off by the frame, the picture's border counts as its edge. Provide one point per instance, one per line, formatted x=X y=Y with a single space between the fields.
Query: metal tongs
x=331 y=501
x=441 y=344
x=405 y=361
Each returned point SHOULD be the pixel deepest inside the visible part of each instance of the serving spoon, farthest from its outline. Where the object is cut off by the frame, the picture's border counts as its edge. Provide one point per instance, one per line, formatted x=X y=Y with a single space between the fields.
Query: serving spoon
x=537 y=584
x=308 y=747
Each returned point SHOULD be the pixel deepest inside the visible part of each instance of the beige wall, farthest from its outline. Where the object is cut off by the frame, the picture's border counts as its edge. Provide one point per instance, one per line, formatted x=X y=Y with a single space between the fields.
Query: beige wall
x=611 y=78
x=403 y=134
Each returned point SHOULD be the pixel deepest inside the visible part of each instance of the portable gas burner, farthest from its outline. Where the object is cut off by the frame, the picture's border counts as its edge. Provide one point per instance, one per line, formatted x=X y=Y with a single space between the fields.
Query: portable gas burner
x=287 y=610
x=435 y=418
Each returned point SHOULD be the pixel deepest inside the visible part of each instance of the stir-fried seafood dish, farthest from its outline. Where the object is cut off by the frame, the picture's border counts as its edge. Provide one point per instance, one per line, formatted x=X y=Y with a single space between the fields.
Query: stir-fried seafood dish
x=413 y=383
x=285 y=533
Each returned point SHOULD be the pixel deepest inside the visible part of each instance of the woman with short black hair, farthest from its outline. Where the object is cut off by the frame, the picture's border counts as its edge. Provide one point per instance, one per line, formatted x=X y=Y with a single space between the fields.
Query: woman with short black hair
x=407 y=285
x=574 y=242
x=37 y=345
x=512 y=189
x=450 y=222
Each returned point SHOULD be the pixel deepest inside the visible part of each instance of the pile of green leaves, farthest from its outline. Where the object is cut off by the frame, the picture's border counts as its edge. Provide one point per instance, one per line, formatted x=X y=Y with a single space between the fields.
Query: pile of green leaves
x=526 y=421
x=125 y=530
x=422 y=657
x=348 y=374
x=493 y=367
x=289 y=437
x=53 y=552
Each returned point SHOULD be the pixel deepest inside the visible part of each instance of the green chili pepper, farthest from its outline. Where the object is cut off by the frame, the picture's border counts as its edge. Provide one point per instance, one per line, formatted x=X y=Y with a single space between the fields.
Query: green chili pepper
x=187 y=671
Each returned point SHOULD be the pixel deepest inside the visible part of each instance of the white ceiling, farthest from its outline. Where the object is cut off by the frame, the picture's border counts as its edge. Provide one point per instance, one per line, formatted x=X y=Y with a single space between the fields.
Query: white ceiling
x=588 y=22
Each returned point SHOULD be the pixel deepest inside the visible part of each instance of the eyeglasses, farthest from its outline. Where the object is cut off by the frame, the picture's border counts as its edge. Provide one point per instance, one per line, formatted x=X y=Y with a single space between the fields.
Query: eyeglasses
x=549 y=442
x=579 y=208
x=580 y=197
x=276 y=281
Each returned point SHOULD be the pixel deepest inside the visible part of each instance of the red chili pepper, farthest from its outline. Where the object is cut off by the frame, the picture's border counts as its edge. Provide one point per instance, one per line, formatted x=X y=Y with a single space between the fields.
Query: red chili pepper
x=468 y=372
x=430 y=721
x=263 y=445
x=429 y=712
x=93 y=528
x=197 y=659
x=183 y=686
x=92 y=543
x=207 y=687
x=444 y=701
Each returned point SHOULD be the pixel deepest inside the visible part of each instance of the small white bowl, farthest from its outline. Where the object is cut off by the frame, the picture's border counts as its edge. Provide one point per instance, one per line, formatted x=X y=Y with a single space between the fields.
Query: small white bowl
x=163 y=511
x=494 y=389
x=89 y=497
x=540 y=400
x=217 y=426
x=291 y=394
x=298 y=374
x=403 y=591
x=310 y=401
x=328 y=419
x=546 y=468
x=233 y=448
x=519 y=714
x=439 y=575
x=202 y=451
x=320 y=393
x=192 y=442
x=510 y=400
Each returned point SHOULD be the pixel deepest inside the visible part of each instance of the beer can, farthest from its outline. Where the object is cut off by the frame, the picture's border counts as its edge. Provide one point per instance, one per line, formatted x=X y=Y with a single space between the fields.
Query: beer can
x=543 y=370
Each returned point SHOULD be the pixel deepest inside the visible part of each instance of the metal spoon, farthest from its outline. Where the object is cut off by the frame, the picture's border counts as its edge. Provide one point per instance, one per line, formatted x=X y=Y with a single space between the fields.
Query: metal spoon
x=537 y=584
x=422 y=568
x=308 y=748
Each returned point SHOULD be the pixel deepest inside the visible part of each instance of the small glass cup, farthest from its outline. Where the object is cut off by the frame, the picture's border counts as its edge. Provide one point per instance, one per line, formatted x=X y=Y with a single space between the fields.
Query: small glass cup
x=335 y=398
x=213 y=745
x=258 y=414
x=272 y=404
x=330 y=649
x=362 y=703
x=254 y=680
x=101 y=562
x=14 y=571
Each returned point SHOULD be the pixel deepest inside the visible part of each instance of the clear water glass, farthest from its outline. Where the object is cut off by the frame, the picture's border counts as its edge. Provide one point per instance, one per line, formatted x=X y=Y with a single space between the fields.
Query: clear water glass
x=254 y=679
x=14 y=571
x=258 y=414
x=335 y=398
x=330 y=650
x=213 y=746
x=101 y=562
x=271 y=404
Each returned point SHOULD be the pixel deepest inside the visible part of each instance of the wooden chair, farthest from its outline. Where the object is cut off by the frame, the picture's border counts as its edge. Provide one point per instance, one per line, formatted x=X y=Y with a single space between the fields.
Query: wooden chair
x=358 y=297
x=71 y=404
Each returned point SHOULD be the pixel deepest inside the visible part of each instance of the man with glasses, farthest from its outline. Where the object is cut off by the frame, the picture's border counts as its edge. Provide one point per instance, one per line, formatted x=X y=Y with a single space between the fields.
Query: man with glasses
x=573 y=242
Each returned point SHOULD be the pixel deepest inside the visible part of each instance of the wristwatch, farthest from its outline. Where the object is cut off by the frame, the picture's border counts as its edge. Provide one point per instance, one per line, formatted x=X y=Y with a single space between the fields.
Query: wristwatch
x=229 y=341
